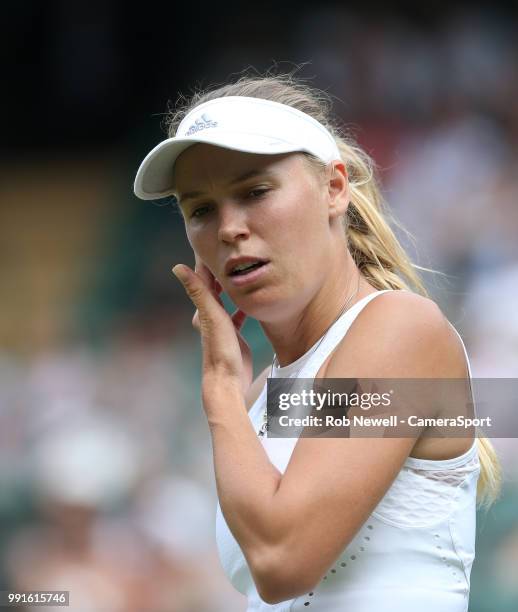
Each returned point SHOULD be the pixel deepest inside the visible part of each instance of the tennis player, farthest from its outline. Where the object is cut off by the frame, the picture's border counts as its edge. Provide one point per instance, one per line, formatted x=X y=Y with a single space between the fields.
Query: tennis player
x=284 y=214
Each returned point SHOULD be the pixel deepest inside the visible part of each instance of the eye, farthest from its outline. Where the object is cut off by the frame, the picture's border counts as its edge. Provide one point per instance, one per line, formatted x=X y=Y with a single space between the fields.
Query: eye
x=258 y=192
x=200 y=211
x=204 y=209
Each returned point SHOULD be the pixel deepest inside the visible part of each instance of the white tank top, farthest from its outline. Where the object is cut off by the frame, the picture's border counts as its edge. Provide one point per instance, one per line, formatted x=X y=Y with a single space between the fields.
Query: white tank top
x=416 y=549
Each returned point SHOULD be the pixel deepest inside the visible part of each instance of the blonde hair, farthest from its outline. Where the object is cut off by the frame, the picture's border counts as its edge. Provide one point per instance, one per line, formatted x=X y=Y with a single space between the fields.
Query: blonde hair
x=371 y=241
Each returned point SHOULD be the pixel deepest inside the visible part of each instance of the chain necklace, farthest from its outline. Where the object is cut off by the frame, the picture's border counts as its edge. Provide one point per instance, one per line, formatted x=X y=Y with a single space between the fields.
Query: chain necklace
x=264 y=427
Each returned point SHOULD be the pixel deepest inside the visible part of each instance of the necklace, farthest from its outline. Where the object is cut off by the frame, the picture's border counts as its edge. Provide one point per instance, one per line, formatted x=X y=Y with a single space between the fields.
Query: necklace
x=264 y=427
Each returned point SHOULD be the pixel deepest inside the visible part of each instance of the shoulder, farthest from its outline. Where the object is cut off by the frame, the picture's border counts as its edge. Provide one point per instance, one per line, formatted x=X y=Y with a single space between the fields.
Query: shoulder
x=399 y=334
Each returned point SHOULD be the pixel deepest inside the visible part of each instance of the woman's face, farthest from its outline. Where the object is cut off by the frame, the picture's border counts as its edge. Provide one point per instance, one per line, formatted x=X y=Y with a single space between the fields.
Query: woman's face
x=269 y=207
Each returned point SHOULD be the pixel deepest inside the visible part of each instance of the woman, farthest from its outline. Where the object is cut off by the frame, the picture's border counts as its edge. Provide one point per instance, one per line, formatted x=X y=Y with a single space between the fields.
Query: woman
x=283 y=213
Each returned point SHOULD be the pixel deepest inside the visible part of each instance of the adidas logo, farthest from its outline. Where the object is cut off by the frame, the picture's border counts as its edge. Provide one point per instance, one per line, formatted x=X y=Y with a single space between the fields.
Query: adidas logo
x=202 y=123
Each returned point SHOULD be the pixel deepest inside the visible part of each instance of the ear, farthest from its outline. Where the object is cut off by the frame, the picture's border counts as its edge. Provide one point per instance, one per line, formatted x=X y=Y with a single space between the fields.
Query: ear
x=338 y=188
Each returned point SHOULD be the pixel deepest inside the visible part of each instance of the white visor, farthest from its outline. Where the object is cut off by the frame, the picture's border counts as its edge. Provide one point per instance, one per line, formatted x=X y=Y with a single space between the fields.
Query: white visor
x=251 y=125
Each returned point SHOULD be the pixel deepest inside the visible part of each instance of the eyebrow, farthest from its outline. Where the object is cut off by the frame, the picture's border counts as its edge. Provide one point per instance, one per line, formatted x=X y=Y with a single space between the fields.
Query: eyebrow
x=239 y=179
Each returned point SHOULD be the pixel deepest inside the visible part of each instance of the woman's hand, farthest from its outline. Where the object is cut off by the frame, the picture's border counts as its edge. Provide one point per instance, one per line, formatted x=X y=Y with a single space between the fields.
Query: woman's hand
x=227 y=357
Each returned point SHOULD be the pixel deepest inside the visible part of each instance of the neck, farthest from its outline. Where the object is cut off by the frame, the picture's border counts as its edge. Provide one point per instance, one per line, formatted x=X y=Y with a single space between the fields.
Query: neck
x=294 y=335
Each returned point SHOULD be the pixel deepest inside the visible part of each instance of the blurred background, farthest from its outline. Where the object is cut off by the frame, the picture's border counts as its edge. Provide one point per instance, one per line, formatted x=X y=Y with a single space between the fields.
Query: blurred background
x=106 y=482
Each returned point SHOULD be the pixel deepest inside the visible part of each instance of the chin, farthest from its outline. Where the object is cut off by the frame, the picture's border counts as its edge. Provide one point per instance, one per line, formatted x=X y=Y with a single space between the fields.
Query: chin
x=258 y=303
x=262 y=306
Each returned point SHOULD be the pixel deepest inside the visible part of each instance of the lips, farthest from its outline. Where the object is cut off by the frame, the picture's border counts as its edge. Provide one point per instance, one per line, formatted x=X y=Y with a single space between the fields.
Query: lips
x=235 y=262
x=250 y=277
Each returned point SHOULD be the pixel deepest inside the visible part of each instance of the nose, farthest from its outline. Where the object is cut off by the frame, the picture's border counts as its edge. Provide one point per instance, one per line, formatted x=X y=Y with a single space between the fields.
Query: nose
x=233 y=223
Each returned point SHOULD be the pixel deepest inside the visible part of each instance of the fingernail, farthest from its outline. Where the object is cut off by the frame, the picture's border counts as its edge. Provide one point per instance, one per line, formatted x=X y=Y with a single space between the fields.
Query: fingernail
x=179 y=272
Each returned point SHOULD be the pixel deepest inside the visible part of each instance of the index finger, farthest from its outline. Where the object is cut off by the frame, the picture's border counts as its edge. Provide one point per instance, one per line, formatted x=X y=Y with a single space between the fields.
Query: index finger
x=202 y=269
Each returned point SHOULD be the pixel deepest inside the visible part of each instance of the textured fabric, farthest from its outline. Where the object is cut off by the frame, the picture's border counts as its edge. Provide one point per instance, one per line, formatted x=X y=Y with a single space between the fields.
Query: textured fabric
x=414 y=552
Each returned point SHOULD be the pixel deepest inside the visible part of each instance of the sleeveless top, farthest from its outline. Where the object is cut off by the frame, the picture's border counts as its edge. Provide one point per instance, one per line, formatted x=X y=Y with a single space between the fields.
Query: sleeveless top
x=416 y=549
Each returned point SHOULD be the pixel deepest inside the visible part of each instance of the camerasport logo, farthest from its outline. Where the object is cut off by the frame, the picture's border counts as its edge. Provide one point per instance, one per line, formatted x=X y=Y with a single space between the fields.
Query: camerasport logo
x=202 y=123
